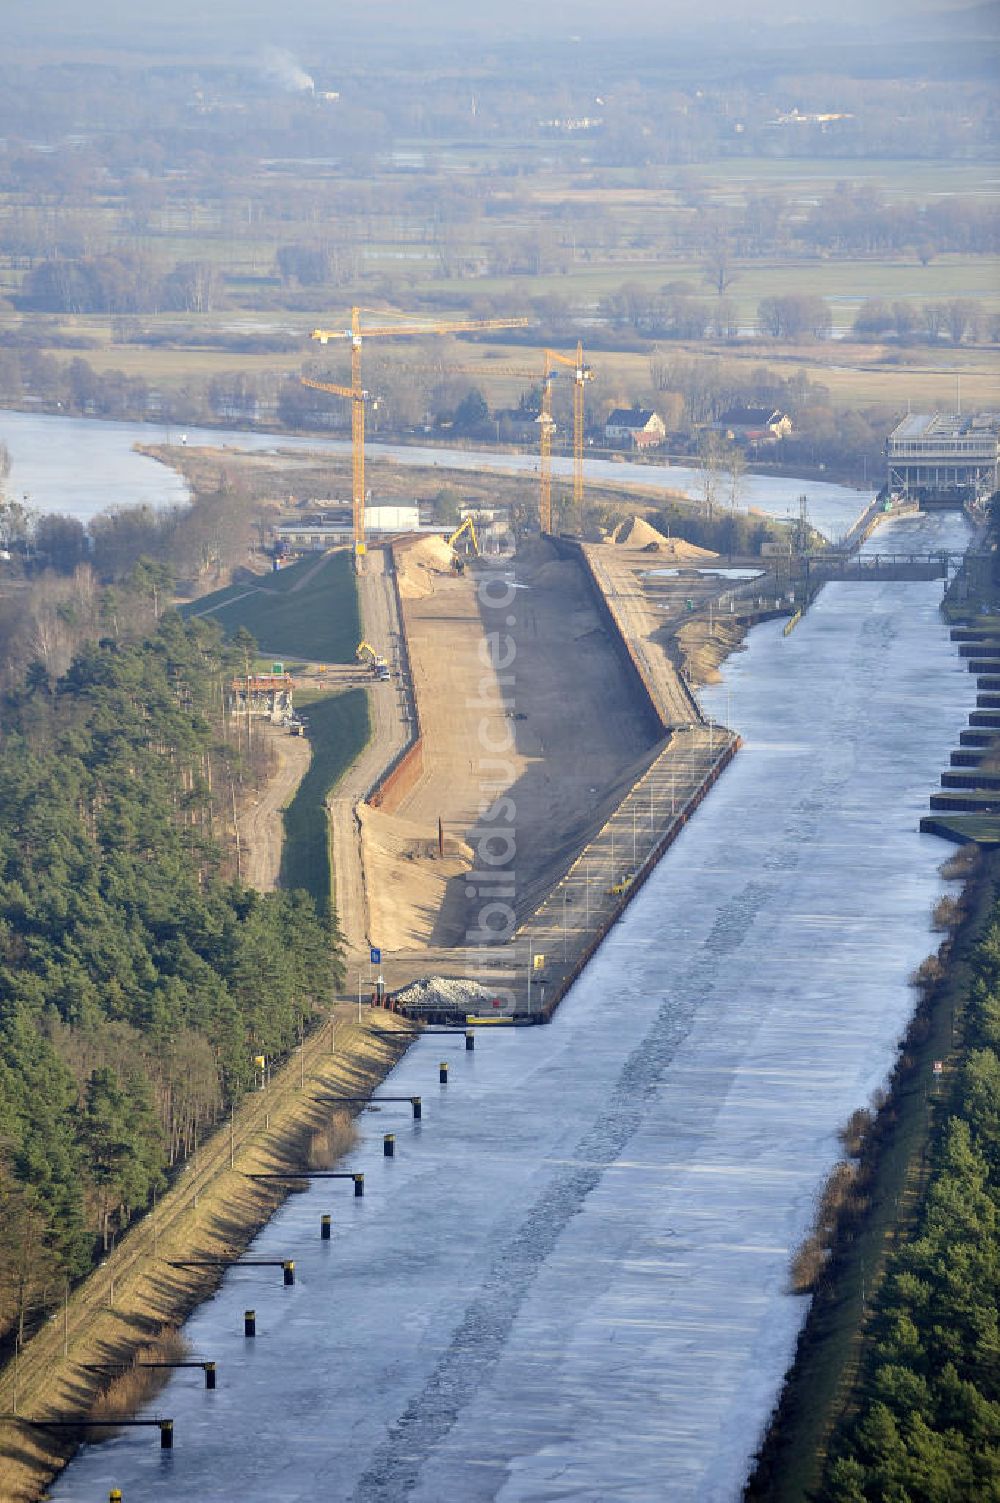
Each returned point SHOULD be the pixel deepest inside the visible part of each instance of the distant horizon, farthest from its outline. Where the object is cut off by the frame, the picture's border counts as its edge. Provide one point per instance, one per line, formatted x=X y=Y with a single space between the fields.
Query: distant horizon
x=185 y=24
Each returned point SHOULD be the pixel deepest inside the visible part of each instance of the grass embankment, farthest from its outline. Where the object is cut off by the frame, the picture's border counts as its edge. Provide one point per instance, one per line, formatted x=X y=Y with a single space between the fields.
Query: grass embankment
x=339 y=728
x=308 y=610
x=889 y=1192
x=211 y=1211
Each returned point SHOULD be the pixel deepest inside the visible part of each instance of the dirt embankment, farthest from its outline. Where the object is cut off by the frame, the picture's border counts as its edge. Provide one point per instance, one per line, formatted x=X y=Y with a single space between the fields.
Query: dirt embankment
x=703 y=646
x=212 y=1211
x=407 y=875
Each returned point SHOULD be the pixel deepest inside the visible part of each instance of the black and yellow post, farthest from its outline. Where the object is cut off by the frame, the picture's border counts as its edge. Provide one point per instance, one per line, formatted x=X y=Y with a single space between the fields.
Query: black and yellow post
x=249 y=1322
x=209 y=1374
x=359 y=1186
x=115 y=1495
x=443 y=1072
x=324 y=1228
x=166 y=1435
x=389 y=1146
x=418 y=1108
x=288 y=1272
x=470 y=1041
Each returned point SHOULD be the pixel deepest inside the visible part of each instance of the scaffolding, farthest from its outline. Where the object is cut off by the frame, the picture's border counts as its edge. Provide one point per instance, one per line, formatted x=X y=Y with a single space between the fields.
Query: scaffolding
x=268 y=695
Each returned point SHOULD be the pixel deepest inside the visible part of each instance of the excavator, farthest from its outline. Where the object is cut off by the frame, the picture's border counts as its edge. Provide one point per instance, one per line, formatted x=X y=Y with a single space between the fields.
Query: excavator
x=365 y=653
x=468 y=526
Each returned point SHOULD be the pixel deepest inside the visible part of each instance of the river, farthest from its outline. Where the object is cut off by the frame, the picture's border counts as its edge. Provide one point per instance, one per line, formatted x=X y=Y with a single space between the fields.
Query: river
x=572 y=1281
x=81 y=466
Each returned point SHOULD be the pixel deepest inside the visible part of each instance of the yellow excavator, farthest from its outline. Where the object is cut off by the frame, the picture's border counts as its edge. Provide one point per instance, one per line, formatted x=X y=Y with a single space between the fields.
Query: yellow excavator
x=468 y=526
x=365 y=653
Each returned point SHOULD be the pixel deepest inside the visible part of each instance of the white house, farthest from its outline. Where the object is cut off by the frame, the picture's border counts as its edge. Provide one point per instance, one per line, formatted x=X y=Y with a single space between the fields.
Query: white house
x=634 y=428
x=754 y=425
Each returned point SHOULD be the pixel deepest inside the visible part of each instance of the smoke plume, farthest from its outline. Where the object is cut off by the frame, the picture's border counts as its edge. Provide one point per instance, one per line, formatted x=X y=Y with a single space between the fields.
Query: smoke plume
x=284 y=70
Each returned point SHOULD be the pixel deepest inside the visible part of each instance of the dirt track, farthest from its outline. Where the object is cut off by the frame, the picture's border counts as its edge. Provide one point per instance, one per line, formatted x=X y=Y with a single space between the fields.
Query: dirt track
x=389 y=731
x=260 y=824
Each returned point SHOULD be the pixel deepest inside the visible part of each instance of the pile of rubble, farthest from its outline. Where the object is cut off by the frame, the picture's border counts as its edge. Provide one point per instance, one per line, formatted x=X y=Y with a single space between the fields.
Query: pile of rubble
x=448 y=993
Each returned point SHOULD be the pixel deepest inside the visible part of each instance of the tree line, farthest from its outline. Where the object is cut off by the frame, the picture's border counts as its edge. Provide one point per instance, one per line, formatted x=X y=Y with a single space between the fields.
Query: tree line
x=138 y=977
x=960 y=320
x=927 y=1417
x=122 y=282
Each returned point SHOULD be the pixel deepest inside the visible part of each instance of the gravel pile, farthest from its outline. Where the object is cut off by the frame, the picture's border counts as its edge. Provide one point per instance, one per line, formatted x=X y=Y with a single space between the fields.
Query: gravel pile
x=446 y=991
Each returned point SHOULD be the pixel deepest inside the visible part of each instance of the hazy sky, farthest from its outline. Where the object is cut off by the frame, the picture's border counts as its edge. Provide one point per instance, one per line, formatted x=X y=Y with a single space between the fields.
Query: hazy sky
x=293 y=21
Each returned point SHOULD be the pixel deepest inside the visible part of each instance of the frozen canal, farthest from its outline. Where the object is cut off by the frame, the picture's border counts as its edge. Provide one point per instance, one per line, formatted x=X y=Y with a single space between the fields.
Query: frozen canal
x=571 y=1283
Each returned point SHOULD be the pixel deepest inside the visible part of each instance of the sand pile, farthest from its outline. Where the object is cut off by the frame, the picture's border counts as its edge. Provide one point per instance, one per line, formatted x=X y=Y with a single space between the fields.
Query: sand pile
x=636 y=532
x=432 y=552
x=418 y=563
x=681 y=549
x=405 y=878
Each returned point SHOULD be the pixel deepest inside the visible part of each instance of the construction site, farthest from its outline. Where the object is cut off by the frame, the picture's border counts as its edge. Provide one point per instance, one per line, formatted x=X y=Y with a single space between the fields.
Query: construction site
x=536 y=740
x=536 y=743
x=541 y=749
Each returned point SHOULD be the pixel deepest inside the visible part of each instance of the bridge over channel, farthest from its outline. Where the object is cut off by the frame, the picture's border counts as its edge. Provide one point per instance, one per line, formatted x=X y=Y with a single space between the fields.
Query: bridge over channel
x=876 y=568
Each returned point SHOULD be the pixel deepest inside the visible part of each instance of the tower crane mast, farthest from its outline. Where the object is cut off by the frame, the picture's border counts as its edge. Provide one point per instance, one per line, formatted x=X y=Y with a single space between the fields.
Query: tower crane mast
x=582 y=373
x=356 y=394
x=545 y=429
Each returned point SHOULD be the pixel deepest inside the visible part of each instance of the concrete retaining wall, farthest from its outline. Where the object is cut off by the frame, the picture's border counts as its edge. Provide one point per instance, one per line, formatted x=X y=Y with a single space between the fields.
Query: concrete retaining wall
x=405 y=769
x=400 y=779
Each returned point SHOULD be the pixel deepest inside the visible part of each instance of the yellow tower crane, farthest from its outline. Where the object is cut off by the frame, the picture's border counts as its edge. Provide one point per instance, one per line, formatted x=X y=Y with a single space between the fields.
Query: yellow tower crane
x=357 y=395
x=545 y=430
x=582 y=373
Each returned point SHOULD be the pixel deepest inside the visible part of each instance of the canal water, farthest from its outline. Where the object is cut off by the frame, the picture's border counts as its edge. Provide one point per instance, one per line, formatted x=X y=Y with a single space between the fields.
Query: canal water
x=81 y=466
x=572 y=1280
